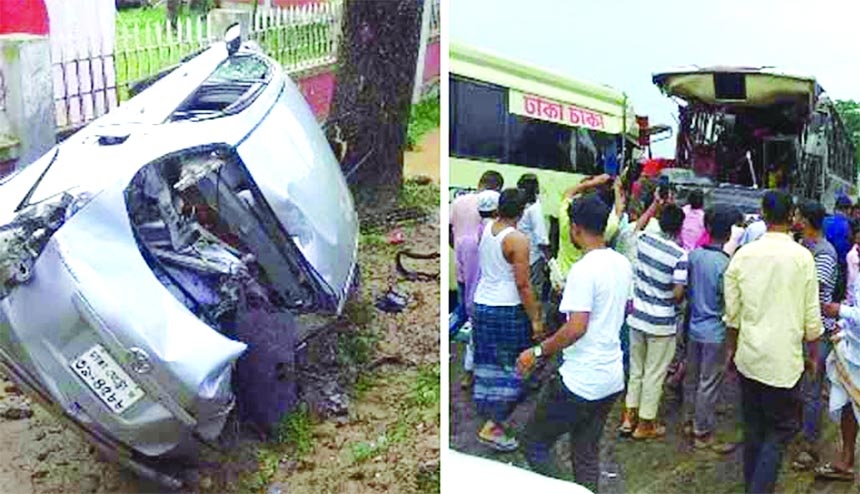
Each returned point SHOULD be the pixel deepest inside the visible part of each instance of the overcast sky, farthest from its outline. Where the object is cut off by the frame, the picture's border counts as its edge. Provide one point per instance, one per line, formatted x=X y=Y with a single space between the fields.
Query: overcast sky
x=623 y=42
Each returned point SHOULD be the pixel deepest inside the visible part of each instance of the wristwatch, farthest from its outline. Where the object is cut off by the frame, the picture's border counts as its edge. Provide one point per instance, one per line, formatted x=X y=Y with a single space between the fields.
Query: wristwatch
x=538 y=351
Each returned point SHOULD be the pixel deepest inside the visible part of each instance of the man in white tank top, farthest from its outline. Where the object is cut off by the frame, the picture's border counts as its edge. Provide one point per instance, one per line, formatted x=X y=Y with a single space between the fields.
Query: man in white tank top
x=591 y=377
x=506 y=320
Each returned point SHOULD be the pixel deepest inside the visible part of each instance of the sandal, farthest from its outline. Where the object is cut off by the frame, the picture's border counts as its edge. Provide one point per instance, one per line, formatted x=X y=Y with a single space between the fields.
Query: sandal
x=829 y=472
x=500 y=440
x=649 y=431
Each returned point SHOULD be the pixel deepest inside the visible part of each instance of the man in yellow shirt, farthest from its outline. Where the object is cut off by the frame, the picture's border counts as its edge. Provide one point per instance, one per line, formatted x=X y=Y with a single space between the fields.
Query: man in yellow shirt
x=568 y=253
x=771 y=308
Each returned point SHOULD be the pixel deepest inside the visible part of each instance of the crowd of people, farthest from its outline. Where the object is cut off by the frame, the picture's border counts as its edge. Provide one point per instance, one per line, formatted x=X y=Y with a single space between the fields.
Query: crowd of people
x=644 y=294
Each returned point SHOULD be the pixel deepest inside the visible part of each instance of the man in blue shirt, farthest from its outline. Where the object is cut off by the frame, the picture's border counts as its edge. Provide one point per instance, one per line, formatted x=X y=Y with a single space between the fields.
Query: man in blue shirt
x=707 y=346
x=837 y=231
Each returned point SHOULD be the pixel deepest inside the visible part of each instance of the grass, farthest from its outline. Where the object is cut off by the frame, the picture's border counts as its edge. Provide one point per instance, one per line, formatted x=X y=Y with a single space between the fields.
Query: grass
x=419 y=195
x=296 y=430
x=293 y=439
x=365 y=382
x=426 y=391
x=429 y=480
x=421 y=405
x=424 y=117
x=357 y=346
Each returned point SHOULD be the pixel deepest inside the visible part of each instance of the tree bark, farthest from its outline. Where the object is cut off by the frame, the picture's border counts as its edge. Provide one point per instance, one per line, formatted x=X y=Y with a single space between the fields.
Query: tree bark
x=372 y=97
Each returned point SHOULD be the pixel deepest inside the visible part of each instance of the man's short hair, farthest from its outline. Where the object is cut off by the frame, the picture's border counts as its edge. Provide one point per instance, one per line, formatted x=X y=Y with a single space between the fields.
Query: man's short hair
x=719 y=220
x=776 y=207
x=696 y=199
x=528 y=183
x=590 y=213
x=492 y=180
x=671 y=219
x=814 y=213
x=606 y=194
x=511 y=204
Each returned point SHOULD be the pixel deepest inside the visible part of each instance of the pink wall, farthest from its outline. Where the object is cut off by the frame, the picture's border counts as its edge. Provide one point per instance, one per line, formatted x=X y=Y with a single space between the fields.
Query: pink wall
x=432 y=67
x=7 y=167
x=318 y=90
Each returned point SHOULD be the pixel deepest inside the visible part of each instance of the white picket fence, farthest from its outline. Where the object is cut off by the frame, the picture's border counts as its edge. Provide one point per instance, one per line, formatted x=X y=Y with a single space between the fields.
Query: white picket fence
x=434 y=20
x=96 y=75
x=300 y=38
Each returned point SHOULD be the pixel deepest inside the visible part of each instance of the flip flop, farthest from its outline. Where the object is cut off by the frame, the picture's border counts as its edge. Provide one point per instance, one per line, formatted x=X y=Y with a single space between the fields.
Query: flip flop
x=502 y=440
x=504 y=444
x=830 y=472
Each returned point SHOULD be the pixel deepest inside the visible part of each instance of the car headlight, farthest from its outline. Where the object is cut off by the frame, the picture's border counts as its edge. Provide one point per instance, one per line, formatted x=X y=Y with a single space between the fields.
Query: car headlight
x=23 y=239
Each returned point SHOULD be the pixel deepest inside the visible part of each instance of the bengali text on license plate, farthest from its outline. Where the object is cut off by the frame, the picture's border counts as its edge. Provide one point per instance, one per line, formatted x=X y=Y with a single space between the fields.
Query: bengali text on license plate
x=107 y=379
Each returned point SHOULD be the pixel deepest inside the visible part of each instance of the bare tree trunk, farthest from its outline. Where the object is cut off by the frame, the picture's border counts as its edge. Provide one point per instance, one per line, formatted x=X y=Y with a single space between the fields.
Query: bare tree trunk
x=372 y=97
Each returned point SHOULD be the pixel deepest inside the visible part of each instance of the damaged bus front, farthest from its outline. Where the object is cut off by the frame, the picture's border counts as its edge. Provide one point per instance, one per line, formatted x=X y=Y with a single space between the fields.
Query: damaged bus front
x=750 y=129
x=158 y=268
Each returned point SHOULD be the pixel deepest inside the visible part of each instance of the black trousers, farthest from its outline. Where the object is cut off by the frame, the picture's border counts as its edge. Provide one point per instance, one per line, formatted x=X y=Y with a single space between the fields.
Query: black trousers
x=558 y=412
x=771 y=419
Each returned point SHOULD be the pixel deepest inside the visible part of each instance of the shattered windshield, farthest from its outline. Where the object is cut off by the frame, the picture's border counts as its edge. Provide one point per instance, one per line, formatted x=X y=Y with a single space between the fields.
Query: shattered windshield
x=241 y=68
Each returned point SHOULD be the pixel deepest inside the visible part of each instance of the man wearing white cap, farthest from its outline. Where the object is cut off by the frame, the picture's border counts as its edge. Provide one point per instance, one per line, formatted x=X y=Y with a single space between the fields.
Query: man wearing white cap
x=465 y=228
x=488 y=204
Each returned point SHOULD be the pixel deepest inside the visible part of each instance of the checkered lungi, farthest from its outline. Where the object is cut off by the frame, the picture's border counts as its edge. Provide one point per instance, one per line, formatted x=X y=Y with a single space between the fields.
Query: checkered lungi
x=500 y=335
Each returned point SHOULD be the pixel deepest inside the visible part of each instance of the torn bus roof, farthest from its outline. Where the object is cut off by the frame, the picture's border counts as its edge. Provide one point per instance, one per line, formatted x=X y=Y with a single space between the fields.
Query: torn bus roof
x=723 y=85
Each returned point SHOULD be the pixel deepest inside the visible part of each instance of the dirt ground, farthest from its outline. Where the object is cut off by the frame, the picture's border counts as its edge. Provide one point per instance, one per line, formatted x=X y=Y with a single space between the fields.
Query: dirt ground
x=386 y=441
x=665 y=466
x=424 y=160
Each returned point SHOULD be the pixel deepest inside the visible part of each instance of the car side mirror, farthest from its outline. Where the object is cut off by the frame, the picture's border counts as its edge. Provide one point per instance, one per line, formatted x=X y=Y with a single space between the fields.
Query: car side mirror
x=233 y=38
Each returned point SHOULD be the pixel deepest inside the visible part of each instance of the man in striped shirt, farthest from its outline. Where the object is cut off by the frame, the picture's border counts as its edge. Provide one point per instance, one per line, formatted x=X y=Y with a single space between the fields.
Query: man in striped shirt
x=660 y=277
x=810 y=218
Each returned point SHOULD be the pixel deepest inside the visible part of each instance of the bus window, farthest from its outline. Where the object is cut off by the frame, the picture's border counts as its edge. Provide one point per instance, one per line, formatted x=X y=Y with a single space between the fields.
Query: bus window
x=539 y=144
x=478 y=113
x=483 y=129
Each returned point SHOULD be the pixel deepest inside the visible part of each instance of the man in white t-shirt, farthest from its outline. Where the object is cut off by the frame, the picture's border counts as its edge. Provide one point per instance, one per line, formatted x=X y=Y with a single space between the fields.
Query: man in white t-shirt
x=589 y=381
x=533 y=226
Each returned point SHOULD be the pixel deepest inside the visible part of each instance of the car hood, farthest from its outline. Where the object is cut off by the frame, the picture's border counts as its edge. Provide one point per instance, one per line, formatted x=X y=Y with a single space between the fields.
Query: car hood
x=298 y=174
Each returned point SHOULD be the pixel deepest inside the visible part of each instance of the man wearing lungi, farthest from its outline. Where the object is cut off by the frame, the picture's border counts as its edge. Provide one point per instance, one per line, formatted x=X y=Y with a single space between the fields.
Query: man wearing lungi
x=506 y=320
x=843 y=370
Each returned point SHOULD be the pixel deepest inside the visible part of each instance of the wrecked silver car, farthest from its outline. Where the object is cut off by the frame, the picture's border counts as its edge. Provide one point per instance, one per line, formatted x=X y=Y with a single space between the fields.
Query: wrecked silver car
x=158 y=267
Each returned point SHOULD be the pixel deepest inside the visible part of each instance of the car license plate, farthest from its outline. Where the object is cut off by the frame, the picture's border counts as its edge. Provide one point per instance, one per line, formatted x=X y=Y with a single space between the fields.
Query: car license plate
x=107 y=379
